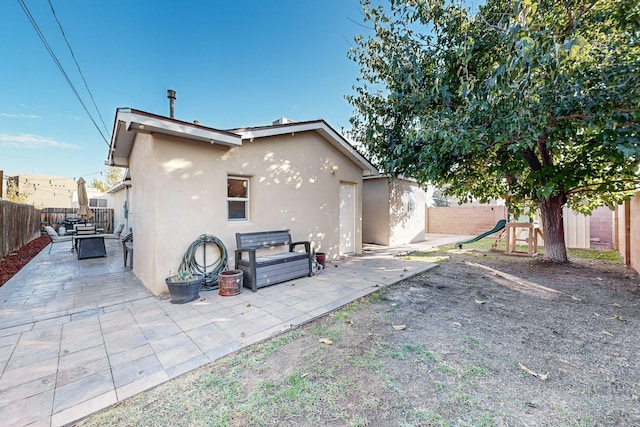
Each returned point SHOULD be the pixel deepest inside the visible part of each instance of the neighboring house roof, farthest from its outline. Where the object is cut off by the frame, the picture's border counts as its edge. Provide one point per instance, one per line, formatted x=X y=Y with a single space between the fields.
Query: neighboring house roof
x=128 y=122
x=126 y=182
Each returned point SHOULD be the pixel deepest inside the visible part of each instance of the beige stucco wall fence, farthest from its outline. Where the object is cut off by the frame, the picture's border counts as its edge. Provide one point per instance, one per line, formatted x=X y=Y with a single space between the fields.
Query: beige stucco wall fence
x=463 y=219
x=19 y=224
x=473 y=220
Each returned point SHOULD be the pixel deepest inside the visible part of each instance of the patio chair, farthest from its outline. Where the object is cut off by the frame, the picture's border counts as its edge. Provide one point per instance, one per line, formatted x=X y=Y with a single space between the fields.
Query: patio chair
x=127 y=248
x=117 y=233
x=55 y=237
x=85 y=229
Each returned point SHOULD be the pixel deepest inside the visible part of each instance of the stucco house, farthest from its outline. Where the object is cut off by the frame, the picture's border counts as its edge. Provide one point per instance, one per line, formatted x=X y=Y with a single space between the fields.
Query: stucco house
x=185 y=179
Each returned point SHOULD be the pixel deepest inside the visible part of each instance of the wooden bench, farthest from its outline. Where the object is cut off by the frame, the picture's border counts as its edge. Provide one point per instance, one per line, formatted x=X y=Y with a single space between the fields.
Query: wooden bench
x=260 y=270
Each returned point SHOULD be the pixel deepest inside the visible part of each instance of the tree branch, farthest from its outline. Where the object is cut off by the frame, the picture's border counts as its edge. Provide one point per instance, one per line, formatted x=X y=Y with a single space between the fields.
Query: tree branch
x=570 y=117
x=531 y=158
x=572 y=19
x=634 y=185
x=545 y=154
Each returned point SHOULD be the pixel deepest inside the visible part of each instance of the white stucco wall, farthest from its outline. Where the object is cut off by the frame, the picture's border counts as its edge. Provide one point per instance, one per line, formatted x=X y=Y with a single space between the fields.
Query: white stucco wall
x=375 y=211
x=117 y=201
x=387 y=217
x=407 y=224
x=179 y=192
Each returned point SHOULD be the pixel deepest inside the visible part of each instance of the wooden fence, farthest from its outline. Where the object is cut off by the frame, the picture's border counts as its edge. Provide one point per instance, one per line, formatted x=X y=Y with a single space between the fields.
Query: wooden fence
x=627 y=231
x=19 y=224
x=55 y=217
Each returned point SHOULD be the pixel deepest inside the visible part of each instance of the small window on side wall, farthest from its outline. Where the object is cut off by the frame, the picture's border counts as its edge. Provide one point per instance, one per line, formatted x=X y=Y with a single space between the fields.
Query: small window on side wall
x=409 y=201
x=237 y=198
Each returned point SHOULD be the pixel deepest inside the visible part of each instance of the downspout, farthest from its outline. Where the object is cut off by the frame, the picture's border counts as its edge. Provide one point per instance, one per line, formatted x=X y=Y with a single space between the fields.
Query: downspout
x=126 y=209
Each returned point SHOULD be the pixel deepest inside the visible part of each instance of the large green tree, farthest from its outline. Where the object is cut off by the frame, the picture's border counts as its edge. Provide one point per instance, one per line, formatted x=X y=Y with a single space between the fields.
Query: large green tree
x=112 y=177
x=535 y=101
x=13 y=191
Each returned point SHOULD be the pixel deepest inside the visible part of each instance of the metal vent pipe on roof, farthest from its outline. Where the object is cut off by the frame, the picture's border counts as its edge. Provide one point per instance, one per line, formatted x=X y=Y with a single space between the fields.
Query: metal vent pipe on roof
x=171 y=94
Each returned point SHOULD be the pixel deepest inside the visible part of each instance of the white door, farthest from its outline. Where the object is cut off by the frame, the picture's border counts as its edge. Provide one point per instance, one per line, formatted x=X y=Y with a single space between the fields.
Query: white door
x=347 y=218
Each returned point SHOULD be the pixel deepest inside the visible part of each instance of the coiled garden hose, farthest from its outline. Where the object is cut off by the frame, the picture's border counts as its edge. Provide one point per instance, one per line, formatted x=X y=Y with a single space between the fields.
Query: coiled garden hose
x=210 y=271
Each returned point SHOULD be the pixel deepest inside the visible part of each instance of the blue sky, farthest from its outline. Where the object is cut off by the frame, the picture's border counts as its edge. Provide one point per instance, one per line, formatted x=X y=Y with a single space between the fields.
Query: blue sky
x=233 y=63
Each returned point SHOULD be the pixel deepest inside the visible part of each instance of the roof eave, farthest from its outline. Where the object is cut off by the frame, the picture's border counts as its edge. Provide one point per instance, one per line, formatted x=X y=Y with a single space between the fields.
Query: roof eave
x=129 y=123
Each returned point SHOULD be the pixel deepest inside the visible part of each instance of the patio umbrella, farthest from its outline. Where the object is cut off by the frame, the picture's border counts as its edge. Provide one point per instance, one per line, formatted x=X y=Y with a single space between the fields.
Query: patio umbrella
x=83 y=201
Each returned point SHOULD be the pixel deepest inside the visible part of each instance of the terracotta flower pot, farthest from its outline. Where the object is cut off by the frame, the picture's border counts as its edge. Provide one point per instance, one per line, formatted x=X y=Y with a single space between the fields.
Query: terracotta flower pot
x=321 y=257
x=230 y=282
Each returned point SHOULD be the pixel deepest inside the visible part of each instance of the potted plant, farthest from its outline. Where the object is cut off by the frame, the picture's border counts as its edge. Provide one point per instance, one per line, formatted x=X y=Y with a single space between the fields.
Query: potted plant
x=184 y=286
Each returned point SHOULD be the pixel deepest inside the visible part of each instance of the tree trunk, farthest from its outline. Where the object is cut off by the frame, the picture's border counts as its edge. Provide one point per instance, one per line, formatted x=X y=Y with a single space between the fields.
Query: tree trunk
x=553 y=228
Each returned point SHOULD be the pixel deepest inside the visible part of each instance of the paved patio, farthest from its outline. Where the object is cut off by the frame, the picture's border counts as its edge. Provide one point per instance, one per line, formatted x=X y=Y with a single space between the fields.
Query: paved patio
x=77 y=336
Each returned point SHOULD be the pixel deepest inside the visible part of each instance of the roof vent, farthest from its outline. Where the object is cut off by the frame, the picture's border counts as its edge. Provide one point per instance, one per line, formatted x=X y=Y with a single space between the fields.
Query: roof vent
x=283 y=121
x=171 y=94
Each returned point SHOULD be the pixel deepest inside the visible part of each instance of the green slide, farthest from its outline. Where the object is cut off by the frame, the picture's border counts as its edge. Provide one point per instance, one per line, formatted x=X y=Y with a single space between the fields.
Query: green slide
x=499 y=226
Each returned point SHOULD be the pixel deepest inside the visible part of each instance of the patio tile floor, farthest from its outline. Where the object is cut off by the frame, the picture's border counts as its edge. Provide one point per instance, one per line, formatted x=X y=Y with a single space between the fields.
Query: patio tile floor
x=77 y=336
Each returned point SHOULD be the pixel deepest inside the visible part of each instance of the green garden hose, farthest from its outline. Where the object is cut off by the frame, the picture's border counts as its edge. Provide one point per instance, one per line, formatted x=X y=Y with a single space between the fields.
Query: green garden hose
x=210 y=271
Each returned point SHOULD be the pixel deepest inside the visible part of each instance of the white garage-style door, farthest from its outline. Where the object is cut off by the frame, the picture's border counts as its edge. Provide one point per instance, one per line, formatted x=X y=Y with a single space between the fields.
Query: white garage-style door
x=347 y=218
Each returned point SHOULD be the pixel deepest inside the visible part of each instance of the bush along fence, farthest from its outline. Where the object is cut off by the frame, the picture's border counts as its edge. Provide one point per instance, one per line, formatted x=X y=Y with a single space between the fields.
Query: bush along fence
x=19 y=224
x=55 y=217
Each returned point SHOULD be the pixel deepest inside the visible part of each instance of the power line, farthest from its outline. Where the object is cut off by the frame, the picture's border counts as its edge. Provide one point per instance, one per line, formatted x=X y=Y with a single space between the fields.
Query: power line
x=59 y=65
x=86 y=85
x=37 y=178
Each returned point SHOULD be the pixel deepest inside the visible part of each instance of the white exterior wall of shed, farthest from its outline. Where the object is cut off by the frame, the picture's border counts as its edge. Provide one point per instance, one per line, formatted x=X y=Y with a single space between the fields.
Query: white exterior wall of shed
x=375 y=211
x=393 y=212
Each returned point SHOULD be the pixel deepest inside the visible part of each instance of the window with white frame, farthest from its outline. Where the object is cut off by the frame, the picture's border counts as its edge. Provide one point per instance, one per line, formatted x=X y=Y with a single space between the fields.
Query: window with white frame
x=97 y=203
x=237 y=198
x=409 y=201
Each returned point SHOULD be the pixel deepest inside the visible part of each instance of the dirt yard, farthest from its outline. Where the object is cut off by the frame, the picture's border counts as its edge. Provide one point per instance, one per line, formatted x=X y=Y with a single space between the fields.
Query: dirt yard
x=481 y=340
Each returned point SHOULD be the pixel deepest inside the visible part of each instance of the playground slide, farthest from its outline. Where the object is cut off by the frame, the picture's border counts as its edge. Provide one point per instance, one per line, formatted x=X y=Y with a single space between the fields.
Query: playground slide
x=499 y=226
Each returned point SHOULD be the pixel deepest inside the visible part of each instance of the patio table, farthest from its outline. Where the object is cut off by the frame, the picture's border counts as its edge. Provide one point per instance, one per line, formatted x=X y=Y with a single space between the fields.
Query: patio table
x=90 y=246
